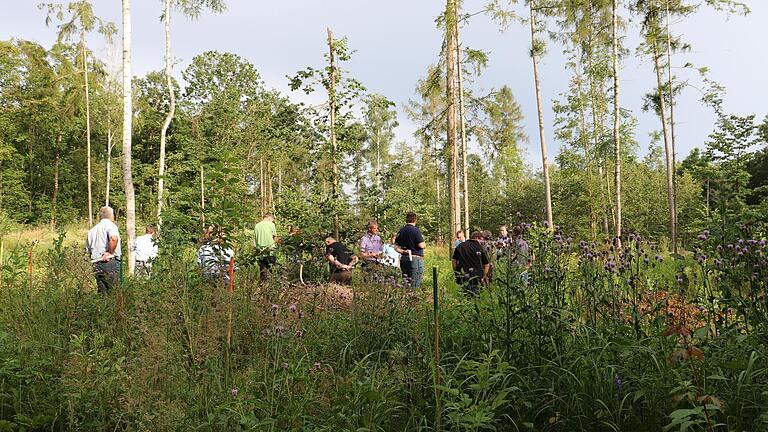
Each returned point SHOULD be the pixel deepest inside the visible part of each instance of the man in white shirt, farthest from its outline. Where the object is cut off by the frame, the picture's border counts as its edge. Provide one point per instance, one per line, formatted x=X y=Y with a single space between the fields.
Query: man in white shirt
x=146 y=250
x=103 y=245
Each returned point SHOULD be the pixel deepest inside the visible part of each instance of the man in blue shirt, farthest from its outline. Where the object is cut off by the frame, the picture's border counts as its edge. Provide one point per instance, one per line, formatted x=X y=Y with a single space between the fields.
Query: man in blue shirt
x=410 y=244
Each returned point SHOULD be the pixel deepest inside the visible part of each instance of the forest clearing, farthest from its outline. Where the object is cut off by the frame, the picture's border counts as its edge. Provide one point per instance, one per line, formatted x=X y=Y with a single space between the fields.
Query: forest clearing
x=211 y=245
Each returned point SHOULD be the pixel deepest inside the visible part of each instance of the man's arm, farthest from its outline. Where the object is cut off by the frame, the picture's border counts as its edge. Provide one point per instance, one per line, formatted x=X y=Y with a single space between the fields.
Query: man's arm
x=332 y=259
x=486 y=270
x=455 y=264
x=111 y=250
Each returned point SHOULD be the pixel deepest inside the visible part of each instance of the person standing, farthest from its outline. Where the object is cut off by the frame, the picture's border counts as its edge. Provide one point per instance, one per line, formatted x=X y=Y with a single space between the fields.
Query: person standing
x=341 y=260
x=503 y=243
x=459 y=239
x=371 y=248
x=103 y=245
x=214 y=256
x=521 y=253
x=410 y=244
x=265 y=239
x=146 y=250
x=471 y=264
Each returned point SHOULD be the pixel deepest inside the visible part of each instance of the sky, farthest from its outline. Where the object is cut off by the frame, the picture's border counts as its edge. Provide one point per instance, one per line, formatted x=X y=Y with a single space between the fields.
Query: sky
x=396 y=40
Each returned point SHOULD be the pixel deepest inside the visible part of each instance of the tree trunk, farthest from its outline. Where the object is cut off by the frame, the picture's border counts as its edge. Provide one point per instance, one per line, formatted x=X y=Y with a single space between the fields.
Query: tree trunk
x=667 y=148
x=268 y=184
x=616 y=118
x=454 y=207
x=332 y=119
x=87 y=128
x=56 y=165
x=542 y=141
x=171 y=108
x=585 y=139
x=464 y=175
x=672 y=121
x=202 y=195
x=110 y=144
x=130 y=199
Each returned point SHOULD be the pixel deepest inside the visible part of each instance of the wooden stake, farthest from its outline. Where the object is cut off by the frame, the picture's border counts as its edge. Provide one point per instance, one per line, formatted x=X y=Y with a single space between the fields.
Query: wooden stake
x=436 y=308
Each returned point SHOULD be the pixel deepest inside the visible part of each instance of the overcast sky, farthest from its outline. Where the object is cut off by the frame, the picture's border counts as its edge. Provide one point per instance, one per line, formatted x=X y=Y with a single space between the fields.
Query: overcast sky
x=396 y=40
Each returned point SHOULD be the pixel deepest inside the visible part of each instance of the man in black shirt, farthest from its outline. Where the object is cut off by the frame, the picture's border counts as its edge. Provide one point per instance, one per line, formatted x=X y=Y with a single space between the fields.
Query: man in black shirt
x=410 y=244
x=340 y=261
x=471 y=264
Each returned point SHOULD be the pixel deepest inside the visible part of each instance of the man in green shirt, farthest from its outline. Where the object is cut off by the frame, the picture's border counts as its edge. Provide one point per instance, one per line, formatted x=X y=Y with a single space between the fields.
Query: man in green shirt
x=264 y=242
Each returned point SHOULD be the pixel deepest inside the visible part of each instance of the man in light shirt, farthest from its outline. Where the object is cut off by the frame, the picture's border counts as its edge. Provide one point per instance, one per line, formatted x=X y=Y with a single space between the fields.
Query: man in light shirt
x=103 y=246
x=265 y=238
x=146 y=250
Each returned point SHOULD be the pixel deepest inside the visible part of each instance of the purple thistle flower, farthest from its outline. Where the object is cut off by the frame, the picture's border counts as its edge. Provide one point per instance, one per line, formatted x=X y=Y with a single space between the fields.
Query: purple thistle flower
x=285 y=366
x=318 y=366
x=292 y=307
x=233 y=392
x=299 y=334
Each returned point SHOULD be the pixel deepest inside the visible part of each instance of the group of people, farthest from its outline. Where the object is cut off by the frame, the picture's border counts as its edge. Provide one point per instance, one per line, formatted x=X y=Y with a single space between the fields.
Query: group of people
x=104 y=249
x=472 y=260
x=406 y=251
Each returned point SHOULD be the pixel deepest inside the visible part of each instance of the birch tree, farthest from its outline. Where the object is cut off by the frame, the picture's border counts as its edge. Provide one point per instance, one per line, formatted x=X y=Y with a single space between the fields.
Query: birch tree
x=191 y=8
x=130 y=199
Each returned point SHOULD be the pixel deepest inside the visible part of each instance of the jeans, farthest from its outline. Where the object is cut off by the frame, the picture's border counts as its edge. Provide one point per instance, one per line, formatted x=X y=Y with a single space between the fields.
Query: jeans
x=412 y=270
x=106 y=274
x=265 y=266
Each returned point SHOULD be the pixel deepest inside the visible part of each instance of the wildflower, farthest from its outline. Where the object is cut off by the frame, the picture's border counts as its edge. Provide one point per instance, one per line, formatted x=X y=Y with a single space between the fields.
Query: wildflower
x=299 y=334
x=279 y=331
x=292 y=307
x=275 y=308
x=317 y=366
x=233 y=392
x=679 y=279
x=659 y=258
x=701 y=237
x=301 y=315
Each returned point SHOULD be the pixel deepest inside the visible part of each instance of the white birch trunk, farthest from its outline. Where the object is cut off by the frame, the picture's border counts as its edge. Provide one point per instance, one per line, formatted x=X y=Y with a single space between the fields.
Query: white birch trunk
x=167 y=5
x=542 y=140
x=130 y=199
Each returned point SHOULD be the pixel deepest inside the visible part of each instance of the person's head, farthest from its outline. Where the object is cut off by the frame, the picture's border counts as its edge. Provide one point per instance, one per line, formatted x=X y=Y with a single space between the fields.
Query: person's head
x=517 y=231
x=373 y=227
x=503 y=231
x=269 y=217
x=460 y=235
x=106 y=212
x=150 y=230
x=477 y=235
x=410 y=218
x=329 y=241
x=487 y=235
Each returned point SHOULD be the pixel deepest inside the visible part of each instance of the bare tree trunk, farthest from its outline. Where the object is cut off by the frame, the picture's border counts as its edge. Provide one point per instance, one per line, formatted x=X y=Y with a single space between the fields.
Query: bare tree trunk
x=268 y=180
x=56 y=165
x=130 y=199
x=542 y=141
x=667 y=149
x=171 y=108
x=332 y=118
x=616 y=118
x=262 y=194
x=202 y=195
x=465 y=182
x=454 y=208
x=110 y=144
x=584 y=137
x=87 y=128
x=672 y=122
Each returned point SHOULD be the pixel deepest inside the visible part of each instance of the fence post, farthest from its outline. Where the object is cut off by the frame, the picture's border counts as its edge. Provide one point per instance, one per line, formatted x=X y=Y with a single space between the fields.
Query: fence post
x=436 y=308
